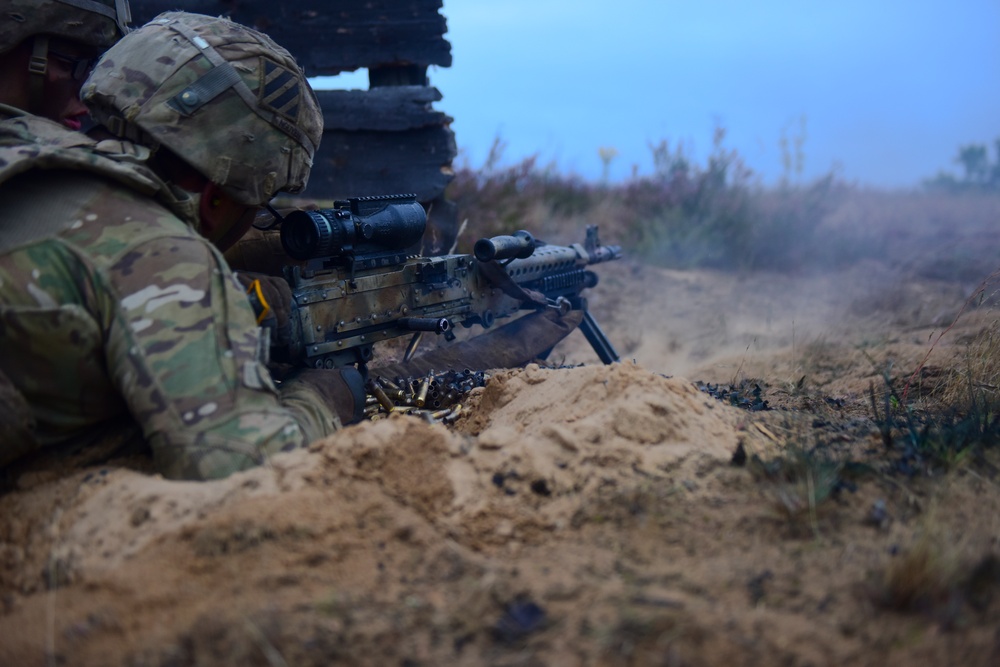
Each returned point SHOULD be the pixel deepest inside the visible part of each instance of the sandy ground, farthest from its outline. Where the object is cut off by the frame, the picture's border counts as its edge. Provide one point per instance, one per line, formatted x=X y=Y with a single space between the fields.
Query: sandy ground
x=596 y=515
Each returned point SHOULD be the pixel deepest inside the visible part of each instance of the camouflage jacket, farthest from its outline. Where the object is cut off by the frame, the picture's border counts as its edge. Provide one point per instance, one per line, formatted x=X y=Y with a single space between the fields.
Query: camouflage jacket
x=115 y=311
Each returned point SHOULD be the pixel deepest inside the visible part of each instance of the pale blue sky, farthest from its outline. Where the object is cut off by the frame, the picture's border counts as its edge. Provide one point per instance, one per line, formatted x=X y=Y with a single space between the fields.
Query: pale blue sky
x=888 y=89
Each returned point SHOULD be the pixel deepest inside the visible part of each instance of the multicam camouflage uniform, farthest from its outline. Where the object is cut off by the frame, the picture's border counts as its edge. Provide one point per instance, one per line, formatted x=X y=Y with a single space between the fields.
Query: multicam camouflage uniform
x=96 y=23
x=114 y=310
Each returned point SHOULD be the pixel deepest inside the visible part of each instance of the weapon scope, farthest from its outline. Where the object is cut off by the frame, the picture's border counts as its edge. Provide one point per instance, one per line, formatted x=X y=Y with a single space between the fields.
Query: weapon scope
x=354 y=227
x=519 y=246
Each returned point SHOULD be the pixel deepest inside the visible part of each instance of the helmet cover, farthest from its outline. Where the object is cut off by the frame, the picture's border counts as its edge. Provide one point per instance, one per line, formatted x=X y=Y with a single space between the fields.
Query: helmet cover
x=223 y=97
x=97 y=23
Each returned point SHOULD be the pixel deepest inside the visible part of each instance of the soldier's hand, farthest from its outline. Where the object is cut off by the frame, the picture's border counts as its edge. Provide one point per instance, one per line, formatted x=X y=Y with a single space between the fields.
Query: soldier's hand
x=271 y=298
x=342 y=389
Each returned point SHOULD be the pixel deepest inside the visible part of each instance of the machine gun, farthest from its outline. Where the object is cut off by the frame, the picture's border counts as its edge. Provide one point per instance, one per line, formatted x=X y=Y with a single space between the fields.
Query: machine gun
x=356 y=285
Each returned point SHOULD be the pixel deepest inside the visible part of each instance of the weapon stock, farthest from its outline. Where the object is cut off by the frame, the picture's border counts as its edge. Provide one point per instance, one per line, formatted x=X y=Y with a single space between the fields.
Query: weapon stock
x=355 y=285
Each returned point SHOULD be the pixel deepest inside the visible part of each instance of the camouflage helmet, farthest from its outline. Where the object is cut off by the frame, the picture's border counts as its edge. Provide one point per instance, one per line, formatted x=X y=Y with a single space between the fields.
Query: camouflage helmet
x=97 y=23
x=223 y=97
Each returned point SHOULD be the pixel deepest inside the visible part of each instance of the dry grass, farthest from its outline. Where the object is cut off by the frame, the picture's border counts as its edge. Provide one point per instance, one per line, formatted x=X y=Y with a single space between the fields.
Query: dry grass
x=978 y=378
x=718 y=215
x=796 y=485
x=940 y=575
x=923 y=578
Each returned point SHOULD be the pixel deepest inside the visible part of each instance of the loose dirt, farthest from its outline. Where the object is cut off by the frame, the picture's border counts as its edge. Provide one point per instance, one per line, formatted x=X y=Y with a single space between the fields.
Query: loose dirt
x=587 y=515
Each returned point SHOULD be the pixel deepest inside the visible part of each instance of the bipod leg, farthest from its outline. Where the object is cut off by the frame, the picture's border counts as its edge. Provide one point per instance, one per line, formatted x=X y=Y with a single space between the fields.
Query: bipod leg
x=595 y=336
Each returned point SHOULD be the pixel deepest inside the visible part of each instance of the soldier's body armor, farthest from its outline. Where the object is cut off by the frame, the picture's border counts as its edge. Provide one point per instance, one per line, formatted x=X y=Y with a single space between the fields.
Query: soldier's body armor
x=114 y=310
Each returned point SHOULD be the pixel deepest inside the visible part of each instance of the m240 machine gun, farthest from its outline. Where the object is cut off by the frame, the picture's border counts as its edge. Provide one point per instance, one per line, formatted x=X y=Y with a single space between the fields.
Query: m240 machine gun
x=355 y=284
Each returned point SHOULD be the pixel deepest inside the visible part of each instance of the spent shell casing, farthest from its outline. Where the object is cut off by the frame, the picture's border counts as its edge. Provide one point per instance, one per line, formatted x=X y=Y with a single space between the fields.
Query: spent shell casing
x=422 y=393
x=383 y=400
x=455 y=413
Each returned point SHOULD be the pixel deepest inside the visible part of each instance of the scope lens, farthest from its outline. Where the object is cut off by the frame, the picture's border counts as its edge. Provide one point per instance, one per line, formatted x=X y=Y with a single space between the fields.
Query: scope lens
x=306 y=234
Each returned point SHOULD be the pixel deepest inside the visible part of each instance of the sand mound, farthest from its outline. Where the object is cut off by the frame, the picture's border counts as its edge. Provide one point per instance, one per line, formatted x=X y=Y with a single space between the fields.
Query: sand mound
x=532 y=445
x=583 y=516
x=529 y=451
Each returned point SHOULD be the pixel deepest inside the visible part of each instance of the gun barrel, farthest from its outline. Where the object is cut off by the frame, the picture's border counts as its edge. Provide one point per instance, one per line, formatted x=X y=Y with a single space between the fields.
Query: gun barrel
x=604 y=253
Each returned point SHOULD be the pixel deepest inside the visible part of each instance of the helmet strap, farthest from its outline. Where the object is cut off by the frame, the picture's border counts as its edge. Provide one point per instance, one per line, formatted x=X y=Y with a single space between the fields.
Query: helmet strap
x=123 y=15
x=38 y=66
x=131 y=132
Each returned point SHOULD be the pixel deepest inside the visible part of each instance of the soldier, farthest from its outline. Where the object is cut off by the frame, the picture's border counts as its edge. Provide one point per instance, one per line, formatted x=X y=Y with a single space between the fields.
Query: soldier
x=47 y=48
x=119 y=319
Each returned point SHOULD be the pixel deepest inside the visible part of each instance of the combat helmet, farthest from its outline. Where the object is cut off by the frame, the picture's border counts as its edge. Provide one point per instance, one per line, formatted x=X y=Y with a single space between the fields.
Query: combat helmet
x=224 y=98
x=97 y=23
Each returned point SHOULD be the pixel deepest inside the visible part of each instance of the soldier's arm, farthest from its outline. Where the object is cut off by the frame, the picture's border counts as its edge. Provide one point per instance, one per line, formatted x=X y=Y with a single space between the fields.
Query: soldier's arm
x=184 y=349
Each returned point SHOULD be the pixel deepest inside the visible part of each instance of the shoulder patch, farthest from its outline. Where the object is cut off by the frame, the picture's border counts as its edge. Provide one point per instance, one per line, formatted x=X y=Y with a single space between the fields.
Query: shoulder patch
x=279 y=90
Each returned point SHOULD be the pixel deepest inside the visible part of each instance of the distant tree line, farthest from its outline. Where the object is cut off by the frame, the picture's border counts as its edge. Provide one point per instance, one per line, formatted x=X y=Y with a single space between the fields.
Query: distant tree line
x=978 y=171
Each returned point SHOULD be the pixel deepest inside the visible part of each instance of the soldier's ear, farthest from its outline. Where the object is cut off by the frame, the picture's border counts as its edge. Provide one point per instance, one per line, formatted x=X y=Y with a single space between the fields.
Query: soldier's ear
x=218 y=212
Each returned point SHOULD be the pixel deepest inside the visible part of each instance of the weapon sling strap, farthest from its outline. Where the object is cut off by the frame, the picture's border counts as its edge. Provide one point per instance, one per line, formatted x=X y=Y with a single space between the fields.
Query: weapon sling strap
x=500 y=279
